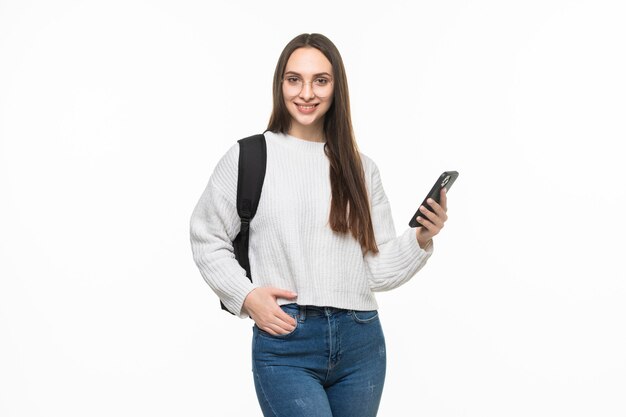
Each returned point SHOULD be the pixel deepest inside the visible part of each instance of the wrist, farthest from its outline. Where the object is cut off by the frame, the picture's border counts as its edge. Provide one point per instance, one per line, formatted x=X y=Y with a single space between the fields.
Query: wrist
x=424 y=244
x=421 y=241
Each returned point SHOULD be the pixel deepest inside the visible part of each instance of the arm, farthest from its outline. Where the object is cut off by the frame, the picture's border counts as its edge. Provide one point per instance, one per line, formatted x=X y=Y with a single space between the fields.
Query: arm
x=399 y=257
x=214 y=224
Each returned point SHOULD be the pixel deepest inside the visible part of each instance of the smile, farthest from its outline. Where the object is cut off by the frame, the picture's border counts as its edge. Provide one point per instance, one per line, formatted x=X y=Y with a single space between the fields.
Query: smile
x=306 y=108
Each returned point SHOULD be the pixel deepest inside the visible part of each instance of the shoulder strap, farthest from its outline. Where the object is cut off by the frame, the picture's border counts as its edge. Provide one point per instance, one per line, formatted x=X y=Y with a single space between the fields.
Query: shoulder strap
x=251 y=174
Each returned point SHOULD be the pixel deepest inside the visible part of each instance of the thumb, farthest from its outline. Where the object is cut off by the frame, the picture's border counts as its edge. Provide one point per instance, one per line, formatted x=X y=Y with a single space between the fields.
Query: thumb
x=279 y=292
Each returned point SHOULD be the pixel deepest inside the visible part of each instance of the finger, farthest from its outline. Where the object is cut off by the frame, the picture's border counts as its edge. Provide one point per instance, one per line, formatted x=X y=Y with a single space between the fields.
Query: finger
x=285 y=318
x=436 y=220
x=444 y=199
x=432 y=229
x=438 y=209
x=272 y=329
x=279 y=292
x=283 y=327
x=276 y=326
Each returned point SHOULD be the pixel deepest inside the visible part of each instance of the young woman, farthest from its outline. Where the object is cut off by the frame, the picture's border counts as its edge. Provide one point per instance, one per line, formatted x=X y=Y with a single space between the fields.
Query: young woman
x=321 y=243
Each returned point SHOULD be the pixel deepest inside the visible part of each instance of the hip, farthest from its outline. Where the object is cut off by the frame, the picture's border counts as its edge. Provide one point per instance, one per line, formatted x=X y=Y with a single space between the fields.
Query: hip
x=322 y=334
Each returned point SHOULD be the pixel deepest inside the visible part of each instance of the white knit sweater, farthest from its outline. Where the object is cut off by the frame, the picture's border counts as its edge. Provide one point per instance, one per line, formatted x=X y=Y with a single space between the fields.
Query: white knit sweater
x=291 y=245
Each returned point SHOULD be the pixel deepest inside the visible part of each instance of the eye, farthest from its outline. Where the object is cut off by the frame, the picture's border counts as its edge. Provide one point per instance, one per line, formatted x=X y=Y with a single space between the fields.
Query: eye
x=292 y=79
x=321 y=81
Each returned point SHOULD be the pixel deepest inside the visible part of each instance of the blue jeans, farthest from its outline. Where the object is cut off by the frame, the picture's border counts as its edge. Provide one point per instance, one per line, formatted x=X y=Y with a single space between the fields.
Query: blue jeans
x=331 y=365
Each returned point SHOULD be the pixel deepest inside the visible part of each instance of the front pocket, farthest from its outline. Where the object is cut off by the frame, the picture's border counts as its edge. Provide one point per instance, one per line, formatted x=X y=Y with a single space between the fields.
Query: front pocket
x=279 y=336
x=364 y=316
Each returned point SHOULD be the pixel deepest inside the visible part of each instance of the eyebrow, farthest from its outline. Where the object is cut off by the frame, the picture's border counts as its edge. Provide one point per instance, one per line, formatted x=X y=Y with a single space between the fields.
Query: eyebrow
x=315 y=75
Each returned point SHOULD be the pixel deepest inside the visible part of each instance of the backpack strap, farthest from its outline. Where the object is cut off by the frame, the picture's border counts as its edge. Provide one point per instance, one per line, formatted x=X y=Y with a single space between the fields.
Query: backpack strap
x=251 y=174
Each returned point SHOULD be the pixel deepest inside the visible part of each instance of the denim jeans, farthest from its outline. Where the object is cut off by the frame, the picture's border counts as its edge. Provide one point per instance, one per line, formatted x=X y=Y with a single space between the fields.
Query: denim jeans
x=331 y=365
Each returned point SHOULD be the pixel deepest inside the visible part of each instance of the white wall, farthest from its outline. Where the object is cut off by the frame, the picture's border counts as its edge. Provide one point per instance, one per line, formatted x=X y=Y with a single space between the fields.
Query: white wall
x=113 y=115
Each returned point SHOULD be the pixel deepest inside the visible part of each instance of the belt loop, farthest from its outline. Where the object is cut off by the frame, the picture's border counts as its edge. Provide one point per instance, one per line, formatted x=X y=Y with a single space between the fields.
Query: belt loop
x=302 y=313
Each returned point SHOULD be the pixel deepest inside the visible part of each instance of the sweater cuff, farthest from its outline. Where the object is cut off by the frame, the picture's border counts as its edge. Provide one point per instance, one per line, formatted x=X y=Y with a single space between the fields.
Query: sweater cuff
x=410 y=239
x=237 y=296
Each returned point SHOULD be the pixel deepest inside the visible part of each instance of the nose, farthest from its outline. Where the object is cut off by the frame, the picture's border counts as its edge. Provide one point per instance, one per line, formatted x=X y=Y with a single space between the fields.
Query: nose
x=307 y=91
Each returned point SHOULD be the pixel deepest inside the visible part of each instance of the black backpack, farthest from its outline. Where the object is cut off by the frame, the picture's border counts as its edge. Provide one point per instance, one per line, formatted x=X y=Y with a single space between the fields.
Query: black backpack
x=251 y=173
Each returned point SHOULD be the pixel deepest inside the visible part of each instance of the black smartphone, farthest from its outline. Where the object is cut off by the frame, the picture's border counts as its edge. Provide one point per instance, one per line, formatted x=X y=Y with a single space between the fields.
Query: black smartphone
x=445 y=181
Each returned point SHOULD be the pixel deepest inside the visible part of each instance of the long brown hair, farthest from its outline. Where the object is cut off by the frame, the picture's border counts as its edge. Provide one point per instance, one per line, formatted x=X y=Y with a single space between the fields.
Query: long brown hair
x=350 y=209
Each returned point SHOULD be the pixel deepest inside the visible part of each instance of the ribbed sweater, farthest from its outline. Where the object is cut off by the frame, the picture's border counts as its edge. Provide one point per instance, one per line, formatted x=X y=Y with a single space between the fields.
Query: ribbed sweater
x=291 y=243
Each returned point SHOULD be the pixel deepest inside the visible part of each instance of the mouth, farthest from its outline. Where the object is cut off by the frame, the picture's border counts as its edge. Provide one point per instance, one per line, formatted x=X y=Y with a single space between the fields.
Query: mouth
x=306 y=108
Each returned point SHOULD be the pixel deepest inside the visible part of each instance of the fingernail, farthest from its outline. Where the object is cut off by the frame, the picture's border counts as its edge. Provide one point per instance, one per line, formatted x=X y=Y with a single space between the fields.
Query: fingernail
x=430 y=200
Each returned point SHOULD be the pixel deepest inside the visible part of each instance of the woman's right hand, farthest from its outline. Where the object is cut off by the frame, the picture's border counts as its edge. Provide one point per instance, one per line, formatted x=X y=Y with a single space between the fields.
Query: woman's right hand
x=261 y=305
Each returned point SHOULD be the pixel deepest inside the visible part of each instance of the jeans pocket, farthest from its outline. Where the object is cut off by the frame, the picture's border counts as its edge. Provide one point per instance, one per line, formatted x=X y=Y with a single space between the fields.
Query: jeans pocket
x=262 y=332
x=364 y=316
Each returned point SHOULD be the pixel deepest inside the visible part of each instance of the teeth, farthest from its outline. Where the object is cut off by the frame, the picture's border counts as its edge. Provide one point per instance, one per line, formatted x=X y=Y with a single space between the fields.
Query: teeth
x=306 y=107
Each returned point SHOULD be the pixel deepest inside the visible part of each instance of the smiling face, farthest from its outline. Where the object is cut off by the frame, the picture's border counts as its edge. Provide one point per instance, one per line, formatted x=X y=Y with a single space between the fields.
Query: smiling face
x=308 y=105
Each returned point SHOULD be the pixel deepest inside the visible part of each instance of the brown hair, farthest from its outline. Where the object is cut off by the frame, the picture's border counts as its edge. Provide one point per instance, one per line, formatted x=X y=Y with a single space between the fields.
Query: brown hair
x=350 y=209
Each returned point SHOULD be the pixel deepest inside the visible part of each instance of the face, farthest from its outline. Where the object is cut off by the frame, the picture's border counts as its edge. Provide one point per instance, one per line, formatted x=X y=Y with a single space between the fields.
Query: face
x=307 y=106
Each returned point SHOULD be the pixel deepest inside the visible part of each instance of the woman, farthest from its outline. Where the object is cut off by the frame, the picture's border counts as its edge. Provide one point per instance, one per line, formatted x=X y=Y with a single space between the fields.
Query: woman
x=321 y=243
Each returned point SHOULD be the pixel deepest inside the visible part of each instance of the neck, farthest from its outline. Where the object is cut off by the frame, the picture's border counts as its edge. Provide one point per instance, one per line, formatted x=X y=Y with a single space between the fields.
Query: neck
x=311 y=133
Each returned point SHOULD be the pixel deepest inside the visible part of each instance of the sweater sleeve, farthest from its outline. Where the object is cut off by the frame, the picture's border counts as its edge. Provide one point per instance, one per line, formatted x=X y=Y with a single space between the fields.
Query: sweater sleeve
x=399 y=257
x=214 y=224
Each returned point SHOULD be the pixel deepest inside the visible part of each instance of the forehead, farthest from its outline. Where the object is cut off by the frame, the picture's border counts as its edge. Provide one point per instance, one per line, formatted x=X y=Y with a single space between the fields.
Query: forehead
x=308 y=61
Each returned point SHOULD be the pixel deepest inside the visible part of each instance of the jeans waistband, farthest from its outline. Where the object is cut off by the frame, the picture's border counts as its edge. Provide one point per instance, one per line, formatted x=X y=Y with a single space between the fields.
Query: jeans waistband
x=311 y=311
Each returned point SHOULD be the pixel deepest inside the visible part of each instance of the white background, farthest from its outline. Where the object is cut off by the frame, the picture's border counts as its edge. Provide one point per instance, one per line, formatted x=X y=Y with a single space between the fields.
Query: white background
x=113 y=115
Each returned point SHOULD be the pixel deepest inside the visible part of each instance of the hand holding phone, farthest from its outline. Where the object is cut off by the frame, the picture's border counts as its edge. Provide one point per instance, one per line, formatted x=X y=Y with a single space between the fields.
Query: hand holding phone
x=445 y=181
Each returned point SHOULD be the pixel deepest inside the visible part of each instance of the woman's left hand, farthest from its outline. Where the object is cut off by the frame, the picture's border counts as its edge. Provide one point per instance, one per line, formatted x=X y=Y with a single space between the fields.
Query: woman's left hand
x=432 y=222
